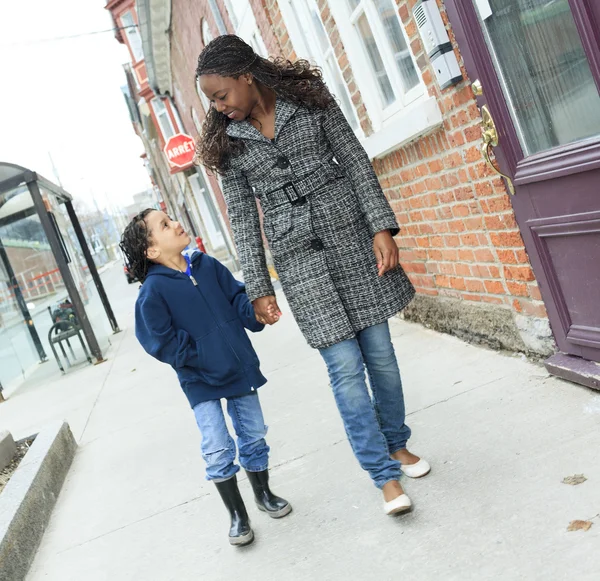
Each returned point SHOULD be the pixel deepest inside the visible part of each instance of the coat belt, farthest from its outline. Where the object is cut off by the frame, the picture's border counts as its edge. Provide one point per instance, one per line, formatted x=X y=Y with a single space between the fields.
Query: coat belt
x=296 y=191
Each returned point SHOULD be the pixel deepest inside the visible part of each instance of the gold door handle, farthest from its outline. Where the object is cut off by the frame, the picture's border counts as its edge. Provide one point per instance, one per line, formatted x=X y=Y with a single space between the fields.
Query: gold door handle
x=490 y=139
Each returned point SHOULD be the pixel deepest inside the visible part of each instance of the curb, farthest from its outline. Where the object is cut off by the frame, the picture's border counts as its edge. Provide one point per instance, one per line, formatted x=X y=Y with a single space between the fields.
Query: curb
x=27 y=501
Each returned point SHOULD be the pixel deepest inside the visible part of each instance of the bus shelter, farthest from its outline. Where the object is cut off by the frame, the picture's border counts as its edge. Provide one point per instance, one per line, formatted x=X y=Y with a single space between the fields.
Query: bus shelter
x=45 y=263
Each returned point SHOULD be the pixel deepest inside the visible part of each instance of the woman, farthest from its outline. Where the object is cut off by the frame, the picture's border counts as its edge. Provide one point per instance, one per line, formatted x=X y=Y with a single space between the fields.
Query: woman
x=275 y=132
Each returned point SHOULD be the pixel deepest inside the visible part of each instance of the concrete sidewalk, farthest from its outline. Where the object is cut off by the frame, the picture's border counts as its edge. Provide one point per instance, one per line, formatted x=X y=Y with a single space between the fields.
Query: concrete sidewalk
x=499 y=432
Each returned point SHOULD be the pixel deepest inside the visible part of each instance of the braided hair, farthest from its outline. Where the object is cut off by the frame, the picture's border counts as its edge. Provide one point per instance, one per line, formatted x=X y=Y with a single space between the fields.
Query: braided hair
x=229 y=56
x=134 y=244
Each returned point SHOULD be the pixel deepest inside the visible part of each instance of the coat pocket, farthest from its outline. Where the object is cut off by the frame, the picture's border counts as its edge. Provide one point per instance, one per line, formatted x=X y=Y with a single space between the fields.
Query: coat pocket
x=218 y=363
x=278 y=224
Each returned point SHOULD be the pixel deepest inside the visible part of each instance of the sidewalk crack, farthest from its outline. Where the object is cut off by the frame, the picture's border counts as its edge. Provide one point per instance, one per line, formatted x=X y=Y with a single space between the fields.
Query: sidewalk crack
x=112 y=364
x=455 y=395
x=133 y=523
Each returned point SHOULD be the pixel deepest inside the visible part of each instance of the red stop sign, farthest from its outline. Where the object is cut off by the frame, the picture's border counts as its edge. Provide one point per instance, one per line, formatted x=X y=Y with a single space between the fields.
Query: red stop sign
x=180 y=150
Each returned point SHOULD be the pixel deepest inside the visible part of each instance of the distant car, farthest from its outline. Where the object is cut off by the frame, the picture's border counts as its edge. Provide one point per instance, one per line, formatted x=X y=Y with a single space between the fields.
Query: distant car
x=128 y=275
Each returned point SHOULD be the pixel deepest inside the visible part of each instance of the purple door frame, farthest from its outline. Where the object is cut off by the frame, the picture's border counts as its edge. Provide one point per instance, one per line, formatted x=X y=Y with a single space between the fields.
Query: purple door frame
x=557 y=205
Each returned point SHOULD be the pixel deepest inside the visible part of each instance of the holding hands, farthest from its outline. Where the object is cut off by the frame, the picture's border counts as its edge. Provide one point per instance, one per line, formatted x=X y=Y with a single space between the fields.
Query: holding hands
x=267 y=310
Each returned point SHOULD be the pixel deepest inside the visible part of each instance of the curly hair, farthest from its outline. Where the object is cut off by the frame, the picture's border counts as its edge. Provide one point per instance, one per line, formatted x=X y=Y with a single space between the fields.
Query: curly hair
x=229 y=56
x=135 y=242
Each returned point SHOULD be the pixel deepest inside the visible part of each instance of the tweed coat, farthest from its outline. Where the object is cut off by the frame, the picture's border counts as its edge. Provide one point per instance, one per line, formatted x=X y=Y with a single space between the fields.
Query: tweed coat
x=322 y=244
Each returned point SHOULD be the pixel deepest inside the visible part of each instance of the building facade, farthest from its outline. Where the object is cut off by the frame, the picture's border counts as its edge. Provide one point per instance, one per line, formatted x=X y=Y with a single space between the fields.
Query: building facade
x=445 y=95
x=184 y=190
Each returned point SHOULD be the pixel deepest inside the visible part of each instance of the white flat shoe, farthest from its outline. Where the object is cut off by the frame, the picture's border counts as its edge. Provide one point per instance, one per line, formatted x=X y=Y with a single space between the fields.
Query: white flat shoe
x=400 y=504
x=417 y=470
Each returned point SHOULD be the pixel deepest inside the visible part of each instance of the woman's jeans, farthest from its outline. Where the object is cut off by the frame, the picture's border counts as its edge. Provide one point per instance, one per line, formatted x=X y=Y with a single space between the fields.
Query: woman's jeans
x=375 y=426
x=218 y=447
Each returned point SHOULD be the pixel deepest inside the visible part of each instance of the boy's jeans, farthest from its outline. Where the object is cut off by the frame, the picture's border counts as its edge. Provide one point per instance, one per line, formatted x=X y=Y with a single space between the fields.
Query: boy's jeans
x=375 y=427
x=218 y=447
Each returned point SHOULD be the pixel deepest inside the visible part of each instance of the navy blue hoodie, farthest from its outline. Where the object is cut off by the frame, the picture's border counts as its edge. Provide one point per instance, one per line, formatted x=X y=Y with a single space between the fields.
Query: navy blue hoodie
x=199 y=330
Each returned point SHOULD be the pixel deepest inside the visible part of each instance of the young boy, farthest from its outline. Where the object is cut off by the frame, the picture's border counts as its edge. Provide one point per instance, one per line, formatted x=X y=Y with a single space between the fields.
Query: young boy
x=191 y=314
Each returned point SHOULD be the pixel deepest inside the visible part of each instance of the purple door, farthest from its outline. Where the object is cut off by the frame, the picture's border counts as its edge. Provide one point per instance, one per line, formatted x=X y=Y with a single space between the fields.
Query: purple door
x=537 y=65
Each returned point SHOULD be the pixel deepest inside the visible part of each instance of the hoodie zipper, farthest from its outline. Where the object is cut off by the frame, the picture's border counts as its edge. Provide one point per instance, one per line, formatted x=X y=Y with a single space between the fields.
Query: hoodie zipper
x=191 y=277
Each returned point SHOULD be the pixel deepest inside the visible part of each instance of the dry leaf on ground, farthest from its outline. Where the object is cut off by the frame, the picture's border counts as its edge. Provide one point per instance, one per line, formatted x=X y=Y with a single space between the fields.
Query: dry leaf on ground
x=579 y=525
x=575 y=479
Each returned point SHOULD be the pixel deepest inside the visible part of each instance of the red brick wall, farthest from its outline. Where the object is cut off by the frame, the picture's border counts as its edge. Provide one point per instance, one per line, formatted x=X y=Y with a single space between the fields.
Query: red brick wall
x=267 y=27
x=459 y=236
x=186 y=45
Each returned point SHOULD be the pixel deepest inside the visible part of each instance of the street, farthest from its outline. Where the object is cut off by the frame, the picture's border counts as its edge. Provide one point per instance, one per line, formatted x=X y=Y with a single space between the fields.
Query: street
x=499 y=432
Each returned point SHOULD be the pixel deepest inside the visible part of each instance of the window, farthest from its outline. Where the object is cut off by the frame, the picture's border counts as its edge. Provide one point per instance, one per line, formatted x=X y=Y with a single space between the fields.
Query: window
x=207 y=210
x=243 y=20
x=163 y=118
x=196 y=120
x=382 y=63
x=303 y=21
x=236 y=10
x=206 y=33
x=133 y=36
x=203 y=98
x=379 y=31
x=206 y=38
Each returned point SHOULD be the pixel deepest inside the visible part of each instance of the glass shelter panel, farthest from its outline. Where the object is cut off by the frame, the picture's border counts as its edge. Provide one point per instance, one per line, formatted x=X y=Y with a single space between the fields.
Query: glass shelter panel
x=29 y=282
x=101 y=254
x=33 y=294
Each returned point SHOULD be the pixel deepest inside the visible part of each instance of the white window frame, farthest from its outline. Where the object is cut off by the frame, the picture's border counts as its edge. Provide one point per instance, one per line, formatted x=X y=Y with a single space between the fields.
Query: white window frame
x=213 y=199
x=413 y=113
x=196 y=120
x=203 y=98
x=298 y=22
x=207 y=36
x=244 y=23
x=145 y=115
x=206 y=209
x=402 y=98
x=134 y=40
x=235 y=10
x=162 y=113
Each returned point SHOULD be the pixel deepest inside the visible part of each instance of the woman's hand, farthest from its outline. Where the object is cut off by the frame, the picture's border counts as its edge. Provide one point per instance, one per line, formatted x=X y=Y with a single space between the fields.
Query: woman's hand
x=386 y=251
x=266 y=310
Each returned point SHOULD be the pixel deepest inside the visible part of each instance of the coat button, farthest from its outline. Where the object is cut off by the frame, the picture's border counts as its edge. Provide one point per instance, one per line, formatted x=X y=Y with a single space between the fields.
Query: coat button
x=316 y=244
x=282 y=162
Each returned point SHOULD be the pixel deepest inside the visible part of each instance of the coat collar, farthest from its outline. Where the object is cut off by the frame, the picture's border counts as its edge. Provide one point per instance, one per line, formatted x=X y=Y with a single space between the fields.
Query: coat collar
x=284 y=110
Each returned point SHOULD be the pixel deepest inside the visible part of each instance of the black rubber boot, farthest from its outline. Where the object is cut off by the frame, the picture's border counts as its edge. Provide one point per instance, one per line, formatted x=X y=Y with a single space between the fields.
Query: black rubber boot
x=266 y=501
x=240 y=532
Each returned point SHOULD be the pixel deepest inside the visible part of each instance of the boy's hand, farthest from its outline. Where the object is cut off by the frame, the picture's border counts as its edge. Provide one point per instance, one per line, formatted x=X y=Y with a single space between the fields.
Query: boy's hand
x=266 y=310
x=386 y=251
